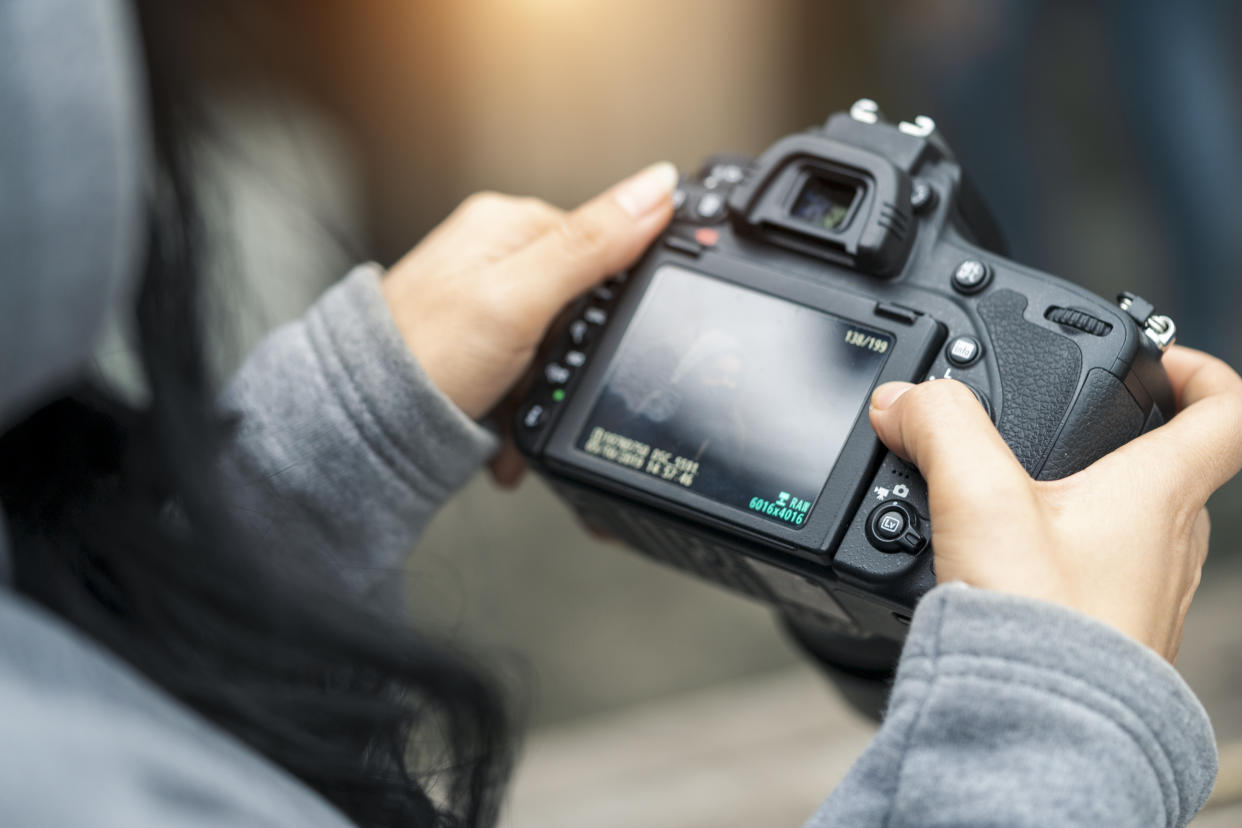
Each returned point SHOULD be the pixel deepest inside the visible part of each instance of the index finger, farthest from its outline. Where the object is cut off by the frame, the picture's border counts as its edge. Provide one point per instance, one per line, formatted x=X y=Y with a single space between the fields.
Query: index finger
x=1195 y=375
x=1200 y=448
x=595 y=240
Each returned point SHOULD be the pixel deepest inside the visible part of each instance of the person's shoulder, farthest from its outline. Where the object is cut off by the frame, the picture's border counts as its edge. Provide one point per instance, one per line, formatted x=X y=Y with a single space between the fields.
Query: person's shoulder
x=88 y=740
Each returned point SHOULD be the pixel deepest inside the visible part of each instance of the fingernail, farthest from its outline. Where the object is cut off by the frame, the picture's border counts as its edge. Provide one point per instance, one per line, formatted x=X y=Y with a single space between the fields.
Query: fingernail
x=887 y=394
x=643 y=192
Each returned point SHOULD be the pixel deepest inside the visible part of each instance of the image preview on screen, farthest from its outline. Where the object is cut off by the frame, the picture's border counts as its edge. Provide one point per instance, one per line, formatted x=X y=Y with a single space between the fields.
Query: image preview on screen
x=732 y=394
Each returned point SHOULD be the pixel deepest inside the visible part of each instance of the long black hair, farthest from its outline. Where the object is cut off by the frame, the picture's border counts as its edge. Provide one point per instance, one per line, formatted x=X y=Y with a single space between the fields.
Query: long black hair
x=118 y=525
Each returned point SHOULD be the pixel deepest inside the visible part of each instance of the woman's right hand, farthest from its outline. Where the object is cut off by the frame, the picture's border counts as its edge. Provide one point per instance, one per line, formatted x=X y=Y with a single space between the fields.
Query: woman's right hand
x=1123 y=541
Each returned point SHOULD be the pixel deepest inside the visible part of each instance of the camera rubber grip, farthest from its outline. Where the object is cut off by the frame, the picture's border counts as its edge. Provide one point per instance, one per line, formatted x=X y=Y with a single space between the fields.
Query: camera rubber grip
x=1039 y=373
x=1104 y=418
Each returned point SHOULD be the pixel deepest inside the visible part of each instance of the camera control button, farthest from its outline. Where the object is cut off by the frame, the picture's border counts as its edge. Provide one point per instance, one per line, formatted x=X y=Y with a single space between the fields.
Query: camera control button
x=922 y=196
x=556 y=374
x=579 y=332
x=983 y=400
x=711 y=207
x=534 y=416
x=963 y=351
x=893 y=526
x=575 y=359
x=707 y=236
x=728 y=173
x=971 y=276
x=890 y=524
x=596 y=316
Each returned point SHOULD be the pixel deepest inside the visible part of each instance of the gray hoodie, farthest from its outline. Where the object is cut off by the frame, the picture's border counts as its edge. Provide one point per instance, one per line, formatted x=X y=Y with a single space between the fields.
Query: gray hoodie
x=1005 y=711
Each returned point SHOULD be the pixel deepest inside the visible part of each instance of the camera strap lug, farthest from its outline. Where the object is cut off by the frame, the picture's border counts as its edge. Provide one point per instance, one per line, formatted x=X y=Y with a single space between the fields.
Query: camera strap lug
x=921 y=128
x=1159 y=328
x=866 y=111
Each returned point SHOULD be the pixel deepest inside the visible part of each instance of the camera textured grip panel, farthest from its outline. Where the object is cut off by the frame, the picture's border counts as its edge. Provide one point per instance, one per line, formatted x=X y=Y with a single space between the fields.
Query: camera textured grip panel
x=1104 y=418
x=1039 y=373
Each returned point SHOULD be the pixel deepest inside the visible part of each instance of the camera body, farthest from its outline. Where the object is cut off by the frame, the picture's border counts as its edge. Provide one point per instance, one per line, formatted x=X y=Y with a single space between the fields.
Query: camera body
x=708 y=408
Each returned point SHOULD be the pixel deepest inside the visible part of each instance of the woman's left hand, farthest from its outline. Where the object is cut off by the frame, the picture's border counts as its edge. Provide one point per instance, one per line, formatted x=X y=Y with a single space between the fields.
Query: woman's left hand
x=475 y=297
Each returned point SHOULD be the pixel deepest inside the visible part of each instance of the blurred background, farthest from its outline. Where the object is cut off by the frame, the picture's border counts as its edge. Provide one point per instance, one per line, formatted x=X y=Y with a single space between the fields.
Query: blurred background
x=1104 y=135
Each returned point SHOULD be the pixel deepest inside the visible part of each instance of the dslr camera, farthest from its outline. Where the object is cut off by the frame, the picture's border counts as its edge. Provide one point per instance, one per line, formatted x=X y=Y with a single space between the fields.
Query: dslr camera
x=708 y=408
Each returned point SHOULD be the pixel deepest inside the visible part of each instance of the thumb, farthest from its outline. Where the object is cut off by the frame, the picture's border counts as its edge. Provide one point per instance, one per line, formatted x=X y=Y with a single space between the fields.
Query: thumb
x=941 y=428
x=599 y=238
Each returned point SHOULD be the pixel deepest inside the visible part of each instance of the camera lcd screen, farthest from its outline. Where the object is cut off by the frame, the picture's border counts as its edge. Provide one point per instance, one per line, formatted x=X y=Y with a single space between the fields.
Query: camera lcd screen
x=734 y=395
x=825 y=203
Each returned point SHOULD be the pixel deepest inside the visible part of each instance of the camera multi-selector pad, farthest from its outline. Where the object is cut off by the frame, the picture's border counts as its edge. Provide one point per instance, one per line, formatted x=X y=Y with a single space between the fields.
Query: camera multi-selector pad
x=709 y=406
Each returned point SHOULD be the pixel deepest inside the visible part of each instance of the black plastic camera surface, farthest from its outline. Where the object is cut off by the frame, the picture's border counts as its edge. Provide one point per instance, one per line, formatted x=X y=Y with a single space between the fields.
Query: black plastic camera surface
x=709 y=407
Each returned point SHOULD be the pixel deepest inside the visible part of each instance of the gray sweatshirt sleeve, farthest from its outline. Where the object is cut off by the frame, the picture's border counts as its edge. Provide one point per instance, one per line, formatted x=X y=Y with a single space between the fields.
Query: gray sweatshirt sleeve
x=343 y=448
x=1013 y=712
